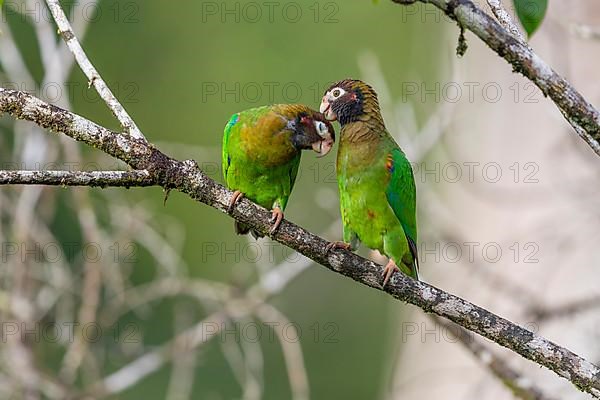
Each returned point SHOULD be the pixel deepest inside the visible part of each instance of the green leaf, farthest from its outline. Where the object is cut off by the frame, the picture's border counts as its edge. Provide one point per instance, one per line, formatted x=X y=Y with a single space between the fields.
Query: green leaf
x=531 y=13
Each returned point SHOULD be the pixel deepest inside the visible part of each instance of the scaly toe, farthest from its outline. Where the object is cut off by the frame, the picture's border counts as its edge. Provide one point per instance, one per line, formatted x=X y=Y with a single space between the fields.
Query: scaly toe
x=337 y=245
x=388 y=271
x=276 y=218
x=237 y=196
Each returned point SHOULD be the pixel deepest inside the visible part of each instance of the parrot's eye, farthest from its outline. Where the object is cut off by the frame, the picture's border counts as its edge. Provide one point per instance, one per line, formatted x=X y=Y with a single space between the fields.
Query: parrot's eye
x=321 y=128
x=337 y=92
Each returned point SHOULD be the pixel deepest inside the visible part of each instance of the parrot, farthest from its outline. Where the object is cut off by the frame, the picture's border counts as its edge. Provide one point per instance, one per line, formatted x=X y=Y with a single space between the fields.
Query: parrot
x=261 y=154
x=375 y=179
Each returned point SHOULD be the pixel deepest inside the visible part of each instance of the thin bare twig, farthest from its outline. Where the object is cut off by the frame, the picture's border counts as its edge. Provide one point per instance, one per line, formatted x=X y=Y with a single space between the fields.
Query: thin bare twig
x=504 y=18
x=78 y=178
x=186 y=177
x=292 y=351
x=587 y=32
x=94 y=78
x=582 y=115
x=272 y=283
x=520 y=386
x=246 y=365
x=182 y=344
x=541 y=314
x=182 y=376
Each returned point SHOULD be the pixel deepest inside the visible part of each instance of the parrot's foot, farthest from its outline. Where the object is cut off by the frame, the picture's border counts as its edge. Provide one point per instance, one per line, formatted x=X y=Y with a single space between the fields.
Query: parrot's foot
x=388 y=271
x=276 y=218
x=338 y=245
x=237 y=196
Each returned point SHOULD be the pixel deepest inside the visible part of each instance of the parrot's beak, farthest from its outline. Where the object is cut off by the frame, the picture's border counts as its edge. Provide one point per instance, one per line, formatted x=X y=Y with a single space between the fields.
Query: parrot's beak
x=322 y=147
x=326 y=110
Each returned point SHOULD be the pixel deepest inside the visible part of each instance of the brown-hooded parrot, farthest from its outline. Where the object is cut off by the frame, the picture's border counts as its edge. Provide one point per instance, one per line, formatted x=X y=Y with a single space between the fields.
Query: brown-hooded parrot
x=261 y=154
x=375 y=179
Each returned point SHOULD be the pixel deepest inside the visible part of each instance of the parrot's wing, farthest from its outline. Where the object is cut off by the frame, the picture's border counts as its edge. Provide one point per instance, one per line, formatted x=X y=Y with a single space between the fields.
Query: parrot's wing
x=294 y=172
x=401 y=196
x=226 y=160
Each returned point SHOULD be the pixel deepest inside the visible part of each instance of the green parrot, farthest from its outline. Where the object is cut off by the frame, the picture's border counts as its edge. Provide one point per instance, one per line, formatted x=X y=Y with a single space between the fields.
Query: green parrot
x=375 y=179
x=261 y=154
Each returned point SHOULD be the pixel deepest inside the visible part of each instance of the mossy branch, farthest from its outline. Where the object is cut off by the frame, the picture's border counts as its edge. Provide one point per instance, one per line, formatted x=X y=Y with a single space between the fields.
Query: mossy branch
x=582 y=115
x=78 y=178
x=186 y=177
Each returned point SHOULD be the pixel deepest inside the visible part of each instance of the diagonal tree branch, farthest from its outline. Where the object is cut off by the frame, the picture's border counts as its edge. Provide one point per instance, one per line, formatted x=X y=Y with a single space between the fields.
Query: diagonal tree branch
x=504 y=18
x=543 y=314
x=582 y=115
x=272 y=283
x=78 y=178
x=186 y=177
x=94 y=78
x=180 y=345
x=520 y=386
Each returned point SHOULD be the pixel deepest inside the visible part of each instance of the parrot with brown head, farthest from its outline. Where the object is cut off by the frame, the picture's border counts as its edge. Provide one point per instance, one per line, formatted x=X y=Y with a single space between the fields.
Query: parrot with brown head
x=375 y=179
x=261 y=154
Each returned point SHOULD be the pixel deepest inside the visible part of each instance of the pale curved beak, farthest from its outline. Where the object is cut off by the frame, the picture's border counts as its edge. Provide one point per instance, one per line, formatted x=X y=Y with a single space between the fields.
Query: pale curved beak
x=326 y=110
x=324 y=106
x=322 y=147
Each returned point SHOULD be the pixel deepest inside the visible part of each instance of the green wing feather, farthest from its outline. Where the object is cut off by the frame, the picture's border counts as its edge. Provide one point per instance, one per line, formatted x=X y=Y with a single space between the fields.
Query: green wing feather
x=295 y=165
x=258 y=157
x=225 y=149
x=401 y=196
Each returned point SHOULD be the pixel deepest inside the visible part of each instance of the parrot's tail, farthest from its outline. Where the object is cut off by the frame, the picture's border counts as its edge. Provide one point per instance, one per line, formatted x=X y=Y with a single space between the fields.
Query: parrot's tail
x=243 y=229
x=416 y=271
x=240 y=228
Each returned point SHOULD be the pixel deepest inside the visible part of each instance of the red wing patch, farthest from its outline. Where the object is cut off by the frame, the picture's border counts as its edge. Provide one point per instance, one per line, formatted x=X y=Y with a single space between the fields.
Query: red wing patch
x=389 y=164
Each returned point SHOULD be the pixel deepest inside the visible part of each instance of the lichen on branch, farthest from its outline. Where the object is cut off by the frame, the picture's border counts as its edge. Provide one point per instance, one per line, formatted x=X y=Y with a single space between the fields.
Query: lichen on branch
x=186 y=177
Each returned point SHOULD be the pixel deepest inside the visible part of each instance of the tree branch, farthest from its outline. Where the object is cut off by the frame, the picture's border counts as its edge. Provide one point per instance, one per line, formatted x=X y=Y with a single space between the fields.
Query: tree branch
x=77 y=178
x=520 y=386
x=94 y=78
x=186 y=177
x=543 y=314
x=504 y=18
x=271 y=284
x=582 y=115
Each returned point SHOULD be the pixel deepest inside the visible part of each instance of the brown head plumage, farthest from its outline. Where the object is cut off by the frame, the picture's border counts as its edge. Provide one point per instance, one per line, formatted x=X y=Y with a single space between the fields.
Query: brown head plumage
x=351 y=100
x=310 y=128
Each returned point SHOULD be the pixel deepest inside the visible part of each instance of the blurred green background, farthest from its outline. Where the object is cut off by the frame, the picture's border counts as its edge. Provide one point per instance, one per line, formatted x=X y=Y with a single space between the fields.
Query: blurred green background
x=181 y=69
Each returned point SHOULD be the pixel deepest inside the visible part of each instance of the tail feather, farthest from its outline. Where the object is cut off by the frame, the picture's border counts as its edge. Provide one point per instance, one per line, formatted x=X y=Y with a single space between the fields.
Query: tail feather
x=409 y=267
x=243 y=229
x=415 y=264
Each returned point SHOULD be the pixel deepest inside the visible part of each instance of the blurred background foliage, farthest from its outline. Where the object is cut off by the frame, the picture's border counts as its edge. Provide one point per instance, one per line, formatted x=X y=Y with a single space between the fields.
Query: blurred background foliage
x=171 y=65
